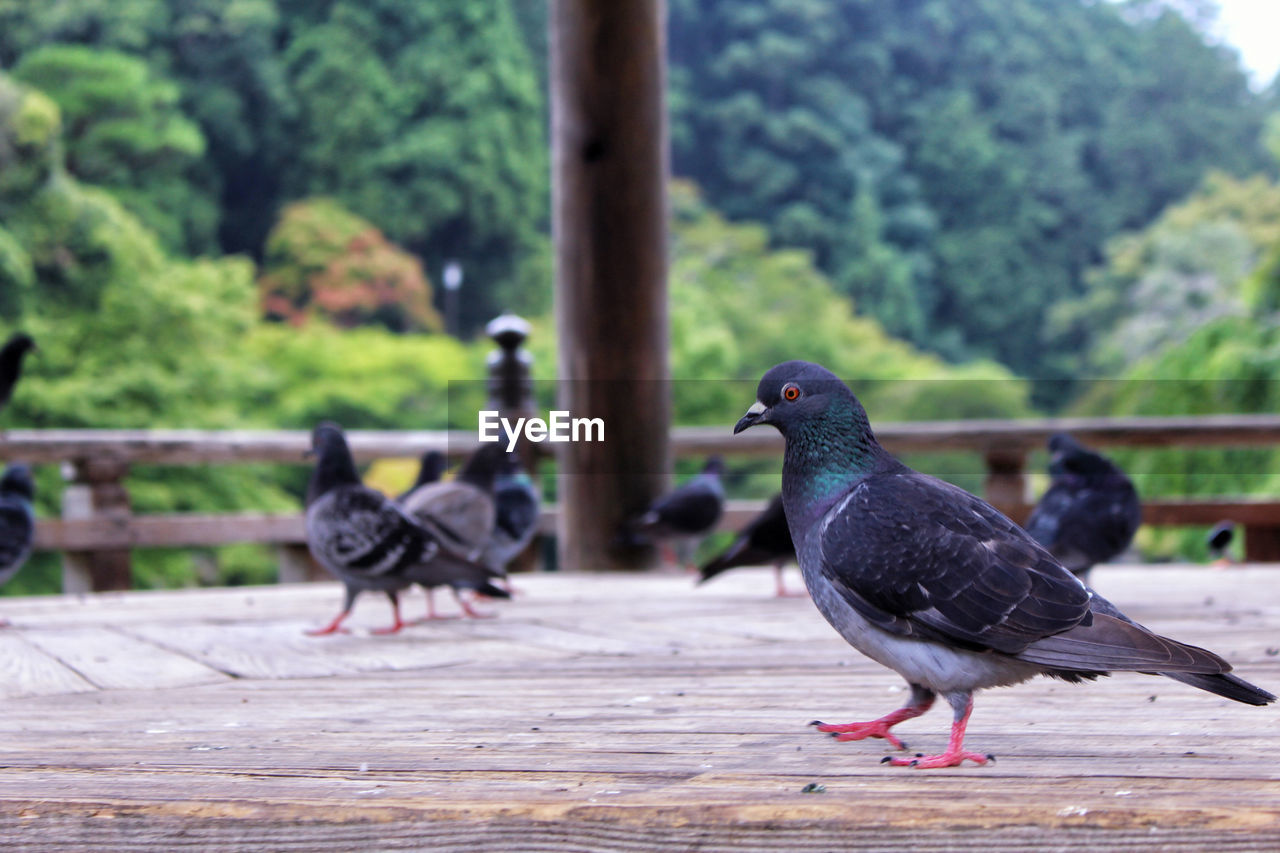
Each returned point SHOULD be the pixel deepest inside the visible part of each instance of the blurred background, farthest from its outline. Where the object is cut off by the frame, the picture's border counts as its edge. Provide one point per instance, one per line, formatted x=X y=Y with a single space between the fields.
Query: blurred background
x=262 y=213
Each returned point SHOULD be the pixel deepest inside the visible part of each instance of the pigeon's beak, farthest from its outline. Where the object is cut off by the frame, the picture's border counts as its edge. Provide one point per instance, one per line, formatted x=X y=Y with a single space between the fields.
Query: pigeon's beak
x=754 y=415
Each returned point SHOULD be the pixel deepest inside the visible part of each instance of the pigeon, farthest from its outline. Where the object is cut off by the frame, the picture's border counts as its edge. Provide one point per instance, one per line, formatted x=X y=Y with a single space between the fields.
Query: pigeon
x=11 y=355
x=686 y=514
x=465 y=507
x=766 y=539
x=1091 y=510
x=369 y=542
x=17 y=520
x=1219 y=542
x=430 y=469
x=935 y=583
x=516 y=506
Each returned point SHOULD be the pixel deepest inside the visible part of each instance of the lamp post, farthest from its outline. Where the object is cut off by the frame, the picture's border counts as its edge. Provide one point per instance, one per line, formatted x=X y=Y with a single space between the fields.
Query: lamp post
x=452 y=284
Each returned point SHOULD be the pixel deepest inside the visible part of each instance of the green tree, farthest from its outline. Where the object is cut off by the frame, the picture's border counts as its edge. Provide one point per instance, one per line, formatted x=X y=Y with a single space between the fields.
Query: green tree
x=124 y=131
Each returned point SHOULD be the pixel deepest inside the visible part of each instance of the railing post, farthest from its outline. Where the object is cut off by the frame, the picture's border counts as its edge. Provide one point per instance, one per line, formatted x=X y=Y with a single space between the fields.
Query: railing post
x=510 y=387
x=1261 y=544
x=1006 y=484
x=97 y=491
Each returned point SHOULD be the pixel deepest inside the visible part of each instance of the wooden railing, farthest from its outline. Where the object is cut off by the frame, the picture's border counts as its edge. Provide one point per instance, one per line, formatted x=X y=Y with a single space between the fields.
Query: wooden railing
x=98 y=530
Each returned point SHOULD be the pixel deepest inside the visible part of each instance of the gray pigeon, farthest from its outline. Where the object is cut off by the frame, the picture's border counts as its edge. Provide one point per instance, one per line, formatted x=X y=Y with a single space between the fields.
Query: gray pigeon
x=1219 y=543
x=367 y=541
x=11 y=355
x=463 y=507
x=766 y=539
x=516 y=507
x=1091 y=510
x=685 y=515
x=17 y=520
x=936 y=584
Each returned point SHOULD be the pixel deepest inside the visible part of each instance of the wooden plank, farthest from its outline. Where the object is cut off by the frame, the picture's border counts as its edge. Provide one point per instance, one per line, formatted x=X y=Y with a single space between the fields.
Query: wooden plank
x=168 y=531
x=27 y=671
x=110 y=659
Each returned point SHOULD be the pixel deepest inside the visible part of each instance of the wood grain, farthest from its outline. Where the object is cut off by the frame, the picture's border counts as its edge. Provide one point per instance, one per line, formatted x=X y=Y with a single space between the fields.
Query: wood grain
x=612 y=712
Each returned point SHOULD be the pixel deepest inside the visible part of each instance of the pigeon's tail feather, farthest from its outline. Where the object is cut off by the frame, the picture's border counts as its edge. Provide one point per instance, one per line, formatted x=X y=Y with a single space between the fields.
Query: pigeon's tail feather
x=490 y=591
x=1226 y=685
x=1108 y=644
x=740 y=553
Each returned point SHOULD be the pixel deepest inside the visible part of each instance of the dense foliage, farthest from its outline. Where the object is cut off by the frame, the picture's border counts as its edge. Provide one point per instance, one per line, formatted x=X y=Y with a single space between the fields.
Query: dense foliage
x=956 y=167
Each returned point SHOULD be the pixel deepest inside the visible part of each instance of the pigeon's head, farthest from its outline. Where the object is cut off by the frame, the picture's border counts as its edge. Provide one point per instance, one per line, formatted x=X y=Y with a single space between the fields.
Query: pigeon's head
x=795 y=393
x=19 y=343
x=17 y=481
x=431 y=468
x=714 y=465
x=327 y=436
x=1068 y=456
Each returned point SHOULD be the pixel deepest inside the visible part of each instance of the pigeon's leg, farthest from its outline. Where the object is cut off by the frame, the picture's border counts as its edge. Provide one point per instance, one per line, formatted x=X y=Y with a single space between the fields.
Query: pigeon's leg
x=780 y=588
x=431 y=608
x=921 y=701
x=468 y=609
x=335 y=627
x=962 y=702
x=394 y=627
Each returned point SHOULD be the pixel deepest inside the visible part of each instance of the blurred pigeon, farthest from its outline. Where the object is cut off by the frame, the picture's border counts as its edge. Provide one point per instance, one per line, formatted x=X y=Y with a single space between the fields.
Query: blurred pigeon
x=686 y=514
x=17 y=520
x=463 y=506
x=766 y=539
x=11 y=355
x=430 y=469
x=1091 y=510
x=367 y=541
x=1219 y=542
x=927 y=579
x=516 y=506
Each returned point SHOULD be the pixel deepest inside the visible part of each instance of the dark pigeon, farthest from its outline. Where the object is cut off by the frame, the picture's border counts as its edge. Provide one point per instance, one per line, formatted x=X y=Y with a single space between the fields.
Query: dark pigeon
x=686 y=514
x=1219 y=542
x=516 y=507
x=765 y=540
x=936 y=584
x=11 y=355
x=1091 y=510
x=464 y=507
x=17 y=520
x=367 y=541
x=430 y=469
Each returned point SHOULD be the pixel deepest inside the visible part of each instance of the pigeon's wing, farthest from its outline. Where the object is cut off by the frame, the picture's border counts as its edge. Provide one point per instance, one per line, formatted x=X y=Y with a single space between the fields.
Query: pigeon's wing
x=1102 y=521
x=16 y=531
x=920 y=557
x=461 y=513
x=356 y=530
x=692 y=508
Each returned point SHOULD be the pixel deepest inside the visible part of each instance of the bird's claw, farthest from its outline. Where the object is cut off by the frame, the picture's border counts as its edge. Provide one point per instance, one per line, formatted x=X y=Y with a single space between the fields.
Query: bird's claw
x=931 y=762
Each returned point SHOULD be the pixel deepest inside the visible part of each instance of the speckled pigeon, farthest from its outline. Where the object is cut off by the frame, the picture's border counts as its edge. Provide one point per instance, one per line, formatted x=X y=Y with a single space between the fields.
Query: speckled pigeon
x=368 y=542
x=936 y=584
x=17 y=520
x=465 y=508
x=765 y=540
x=11 y=355
x=1091 y=510
x=685 y=515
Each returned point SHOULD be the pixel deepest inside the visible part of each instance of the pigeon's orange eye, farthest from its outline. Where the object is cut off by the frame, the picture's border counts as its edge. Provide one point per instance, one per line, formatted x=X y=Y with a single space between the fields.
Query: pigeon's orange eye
x=790 y=393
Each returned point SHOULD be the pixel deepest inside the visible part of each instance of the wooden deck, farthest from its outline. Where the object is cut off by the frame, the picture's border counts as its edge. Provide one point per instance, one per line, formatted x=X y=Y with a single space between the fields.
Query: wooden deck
x=602 y=712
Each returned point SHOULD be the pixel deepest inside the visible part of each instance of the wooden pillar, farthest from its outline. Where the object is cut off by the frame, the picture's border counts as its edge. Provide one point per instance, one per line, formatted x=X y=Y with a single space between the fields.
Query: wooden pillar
x=1261 y=544
x=610 y=166
x=1006 y=484
x=97 y=491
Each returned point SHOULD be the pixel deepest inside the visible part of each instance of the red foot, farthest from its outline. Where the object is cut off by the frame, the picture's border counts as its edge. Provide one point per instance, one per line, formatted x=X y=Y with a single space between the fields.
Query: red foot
x=861 y=731
x=472 y=612
x=333 y=627
x=780 y=589
x=947 y=759
x=394 y=628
